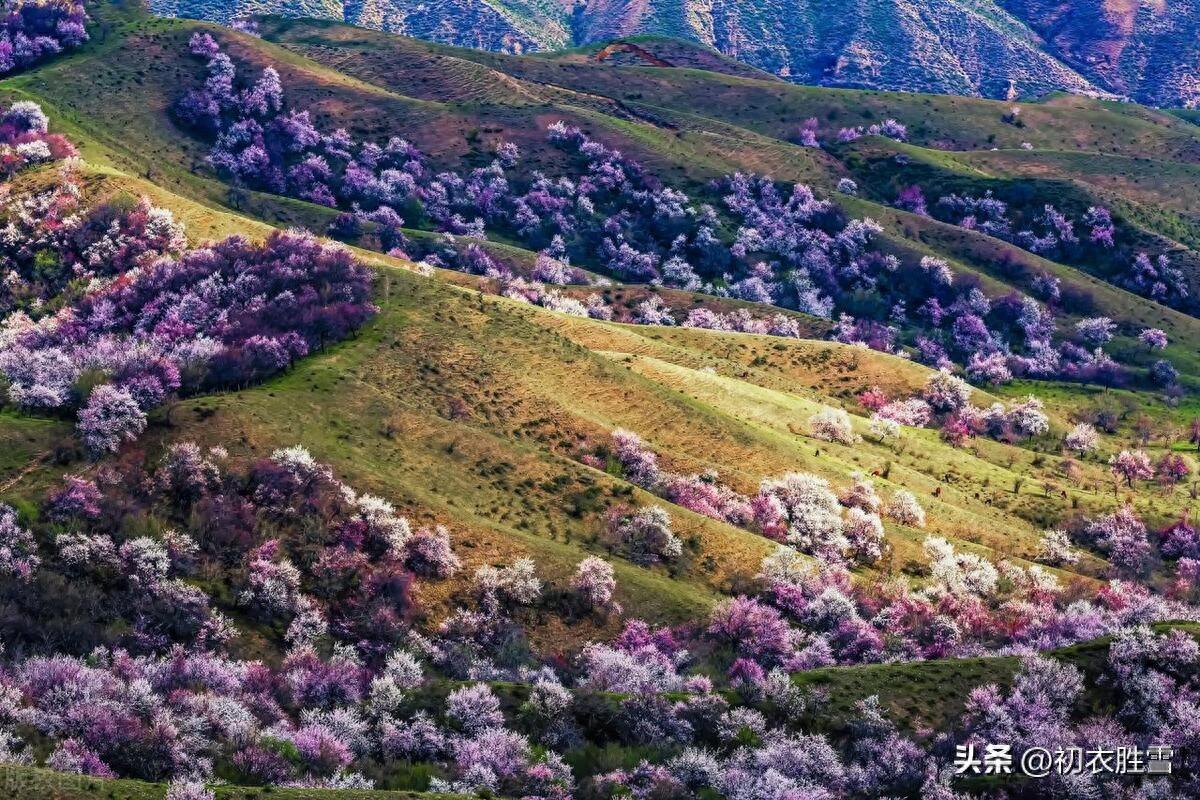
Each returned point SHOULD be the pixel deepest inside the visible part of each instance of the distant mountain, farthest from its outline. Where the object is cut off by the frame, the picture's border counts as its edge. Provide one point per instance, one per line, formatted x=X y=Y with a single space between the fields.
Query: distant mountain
x=512 y=27
x=1149 y=51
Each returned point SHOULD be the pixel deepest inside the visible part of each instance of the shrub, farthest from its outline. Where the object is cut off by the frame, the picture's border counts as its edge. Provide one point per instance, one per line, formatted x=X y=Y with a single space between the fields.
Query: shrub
x=110 y=418
x=644 y=534
x=474 y=708
x=1083 y=439
x=594 y=583
x=904 y=509
x=946 y=393
x=801 y=509
x=832 y=425
x=1055 y=549
x=1131 y=465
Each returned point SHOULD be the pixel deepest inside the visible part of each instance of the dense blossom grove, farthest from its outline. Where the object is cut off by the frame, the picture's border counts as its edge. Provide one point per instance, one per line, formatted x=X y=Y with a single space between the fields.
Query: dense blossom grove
x=1054 y=234
x=789 y=248
x=110 y=313
x=54 y=247
x=26 y=141
x=34 y=30
x=972 y=607
x=152 y=689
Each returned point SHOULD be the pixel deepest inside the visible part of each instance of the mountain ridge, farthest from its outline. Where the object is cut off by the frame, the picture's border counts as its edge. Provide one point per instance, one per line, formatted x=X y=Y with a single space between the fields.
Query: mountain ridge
x=1006 y=48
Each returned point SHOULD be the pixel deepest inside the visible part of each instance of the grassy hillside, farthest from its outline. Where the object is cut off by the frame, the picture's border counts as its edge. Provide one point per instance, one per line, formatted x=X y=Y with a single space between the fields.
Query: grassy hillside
x=1076 y=142
x=479 y=412
x=538 y=384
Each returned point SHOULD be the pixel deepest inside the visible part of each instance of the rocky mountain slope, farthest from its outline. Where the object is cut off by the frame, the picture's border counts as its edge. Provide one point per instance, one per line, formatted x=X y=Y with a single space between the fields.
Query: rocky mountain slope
x=506 y=27
x=1146 y=51
x=1149 y=50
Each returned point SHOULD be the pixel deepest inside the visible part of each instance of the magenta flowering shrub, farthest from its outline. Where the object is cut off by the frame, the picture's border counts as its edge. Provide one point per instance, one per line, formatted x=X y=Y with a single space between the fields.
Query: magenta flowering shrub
x=221 y=316
x=32 y=31
x=991 y=369
x=56 y=248
x=912 y=199
x=516 y=584
x=74 y=757
x=1095 y=331
x=752 y=629
x=1034 y=713
x=832 y=425
x=1125 y=540
x=742 y=321
x=802 y=510
x=639 y=661
x=474 y=708
x=25 y=138
x=18 y=550
x=703 y=493
x=429 y=554
x=1181 y=540
x=79 y=498
x=914 y=412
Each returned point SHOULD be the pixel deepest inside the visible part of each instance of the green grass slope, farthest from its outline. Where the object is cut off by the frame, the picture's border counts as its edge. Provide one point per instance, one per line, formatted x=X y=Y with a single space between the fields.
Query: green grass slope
x=470 y=410
x=388 y=408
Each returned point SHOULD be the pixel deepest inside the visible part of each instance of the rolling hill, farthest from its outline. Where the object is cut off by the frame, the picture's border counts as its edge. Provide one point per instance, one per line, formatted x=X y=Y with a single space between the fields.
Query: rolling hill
x=487 y=405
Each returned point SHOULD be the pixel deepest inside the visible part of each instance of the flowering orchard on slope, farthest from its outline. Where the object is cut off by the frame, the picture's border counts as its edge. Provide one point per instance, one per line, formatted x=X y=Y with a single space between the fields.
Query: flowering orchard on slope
x=126 y=663
x=225 y=315
x=944 y=402
x=1043 y=229
x=788 y=248
x=32 y=31
x=841 y=527
x=324 y=571
x=55 y=247
x=109 y=312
